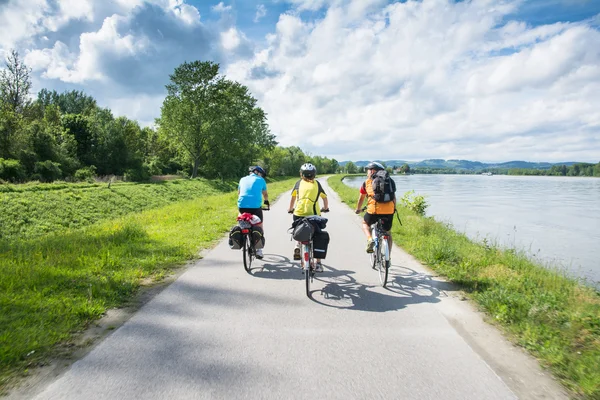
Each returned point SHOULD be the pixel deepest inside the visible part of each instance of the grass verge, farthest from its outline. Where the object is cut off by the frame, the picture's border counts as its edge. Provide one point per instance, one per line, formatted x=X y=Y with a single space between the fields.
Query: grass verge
x=554 y=317
x=34 y=210
x=53 y=286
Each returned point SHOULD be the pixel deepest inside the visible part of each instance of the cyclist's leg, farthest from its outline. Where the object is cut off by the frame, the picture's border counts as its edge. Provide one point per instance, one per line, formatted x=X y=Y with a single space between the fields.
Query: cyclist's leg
x=258 y=212
x=297 y=249
x=368 y=220
x=387 y=226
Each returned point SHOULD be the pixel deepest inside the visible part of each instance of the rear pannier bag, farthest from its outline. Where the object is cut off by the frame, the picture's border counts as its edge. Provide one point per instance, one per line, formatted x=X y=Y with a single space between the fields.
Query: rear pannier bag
x=257 y=237
x=235 y=237
x=320 y=244
x=303 y=231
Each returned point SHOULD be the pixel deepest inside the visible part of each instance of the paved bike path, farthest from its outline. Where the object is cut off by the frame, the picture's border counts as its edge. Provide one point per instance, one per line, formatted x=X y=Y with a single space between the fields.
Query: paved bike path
x=218 y=332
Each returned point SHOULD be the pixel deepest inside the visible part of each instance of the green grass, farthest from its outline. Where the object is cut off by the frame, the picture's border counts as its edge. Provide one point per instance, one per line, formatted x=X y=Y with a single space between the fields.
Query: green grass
x=554 y=317
x=34 y=210
x=55 y=285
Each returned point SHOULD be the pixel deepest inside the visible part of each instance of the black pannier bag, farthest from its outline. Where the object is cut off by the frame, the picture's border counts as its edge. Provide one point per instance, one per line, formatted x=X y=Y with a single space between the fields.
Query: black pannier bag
x=257 y=237
x=320 y=244
x=235 y=237
x=303 y=230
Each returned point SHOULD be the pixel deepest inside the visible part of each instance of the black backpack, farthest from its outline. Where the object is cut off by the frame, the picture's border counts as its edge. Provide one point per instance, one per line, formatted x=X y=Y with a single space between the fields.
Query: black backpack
x=384 y=187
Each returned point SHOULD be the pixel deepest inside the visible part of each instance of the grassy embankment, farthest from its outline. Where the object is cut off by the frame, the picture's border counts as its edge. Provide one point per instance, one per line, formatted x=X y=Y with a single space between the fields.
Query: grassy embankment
x=101 y=246
x=555 y=318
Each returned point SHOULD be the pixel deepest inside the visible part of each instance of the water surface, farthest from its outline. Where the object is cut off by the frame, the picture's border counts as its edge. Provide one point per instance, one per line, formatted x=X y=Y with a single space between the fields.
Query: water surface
x=555 y=219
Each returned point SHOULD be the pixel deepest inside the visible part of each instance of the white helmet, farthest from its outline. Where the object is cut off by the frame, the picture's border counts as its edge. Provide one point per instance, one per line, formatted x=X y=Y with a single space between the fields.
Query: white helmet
x=308 y=171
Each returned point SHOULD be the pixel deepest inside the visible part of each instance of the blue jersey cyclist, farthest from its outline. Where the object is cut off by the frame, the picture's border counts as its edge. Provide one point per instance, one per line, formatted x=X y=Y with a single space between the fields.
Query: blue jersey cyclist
x=252 y=191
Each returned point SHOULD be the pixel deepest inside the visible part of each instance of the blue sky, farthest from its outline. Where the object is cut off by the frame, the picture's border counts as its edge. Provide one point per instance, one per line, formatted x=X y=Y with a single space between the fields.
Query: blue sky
x=487 y=80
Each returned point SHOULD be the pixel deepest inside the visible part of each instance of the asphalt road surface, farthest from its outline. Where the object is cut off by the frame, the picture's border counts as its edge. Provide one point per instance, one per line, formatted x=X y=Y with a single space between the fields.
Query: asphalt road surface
x=219 y=332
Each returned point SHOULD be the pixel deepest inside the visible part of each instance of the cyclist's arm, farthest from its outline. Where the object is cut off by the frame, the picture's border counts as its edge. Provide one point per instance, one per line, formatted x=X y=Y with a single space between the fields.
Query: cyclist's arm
x=292 y=201
x=265 y=195
x=325 y=203
x=359 y=204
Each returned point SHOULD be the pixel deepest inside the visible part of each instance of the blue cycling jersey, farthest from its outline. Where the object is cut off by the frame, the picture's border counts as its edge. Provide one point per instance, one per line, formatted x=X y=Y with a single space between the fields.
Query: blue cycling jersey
x=251 y=188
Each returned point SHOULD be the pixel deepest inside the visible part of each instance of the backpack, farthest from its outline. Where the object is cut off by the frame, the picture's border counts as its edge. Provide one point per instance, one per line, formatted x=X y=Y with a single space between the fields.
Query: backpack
x=384 y=187
x=304 y=229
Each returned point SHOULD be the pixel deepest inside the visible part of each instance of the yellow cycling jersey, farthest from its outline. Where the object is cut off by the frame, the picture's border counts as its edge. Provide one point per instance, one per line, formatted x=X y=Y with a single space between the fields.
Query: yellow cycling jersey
x=307 y=198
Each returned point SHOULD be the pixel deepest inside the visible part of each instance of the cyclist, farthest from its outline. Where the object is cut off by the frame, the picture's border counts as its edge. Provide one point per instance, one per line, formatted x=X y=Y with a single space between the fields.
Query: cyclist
x=305 y=201
x=375 y=210
x=252 y=189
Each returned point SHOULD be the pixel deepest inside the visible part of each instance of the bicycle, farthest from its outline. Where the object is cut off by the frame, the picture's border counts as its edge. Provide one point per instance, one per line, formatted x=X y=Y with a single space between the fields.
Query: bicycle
x=248 y=247
x=380 y=258
x=307 y=261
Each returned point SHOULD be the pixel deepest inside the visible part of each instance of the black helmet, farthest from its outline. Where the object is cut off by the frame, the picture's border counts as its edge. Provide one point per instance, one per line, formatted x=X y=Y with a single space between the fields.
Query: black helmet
x=374 y=165
x=259 y=169
x=308 y=171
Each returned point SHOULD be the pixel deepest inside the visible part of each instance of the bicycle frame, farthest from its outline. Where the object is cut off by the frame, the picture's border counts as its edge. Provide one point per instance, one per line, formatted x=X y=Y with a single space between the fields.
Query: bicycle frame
x=381 y=256
x=308 y=264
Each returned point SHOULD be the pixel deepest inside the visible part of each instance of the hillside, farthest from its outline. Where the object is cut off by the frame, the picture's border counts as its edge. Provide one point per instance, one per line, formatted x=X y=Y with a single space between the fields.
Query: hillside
x=463 y=164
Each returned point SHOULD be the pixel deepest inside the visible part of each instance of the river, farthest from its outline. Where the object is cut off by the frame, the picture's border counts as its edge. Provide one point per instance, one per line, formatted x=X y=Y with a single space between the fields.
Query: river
x=555 y=219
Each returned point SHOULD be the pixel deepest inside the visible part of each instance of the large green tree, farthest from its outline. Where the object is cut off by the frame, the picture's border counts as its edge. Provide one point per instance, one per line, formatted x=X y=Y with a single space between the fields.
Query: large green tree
x=213 y=121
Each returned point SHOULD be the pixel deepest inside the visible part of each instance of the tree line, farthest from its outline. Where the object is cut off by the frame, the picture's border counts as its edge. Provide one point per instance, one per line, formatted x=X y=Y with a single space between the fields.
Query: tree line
x=209 y=126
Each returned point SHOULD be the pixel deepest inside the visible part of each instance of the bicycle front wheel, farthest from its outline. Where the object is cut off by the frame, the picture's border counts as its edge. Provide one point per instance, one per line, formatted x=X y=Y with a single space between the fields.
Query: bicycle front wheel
x=383 y=254
x=248 y=254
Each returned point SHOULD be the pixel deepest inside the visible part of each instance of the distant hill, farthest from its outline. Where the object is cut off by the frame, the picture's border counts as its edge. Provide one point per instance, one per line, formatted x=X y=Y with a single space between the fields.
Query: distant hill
x=463 y=164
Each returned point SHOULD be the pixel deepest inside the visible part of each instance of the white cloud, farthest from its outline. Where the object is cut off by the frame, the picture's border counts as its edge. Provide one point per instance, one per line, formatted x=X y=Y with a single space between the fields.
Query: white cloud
x=187 y=13
x=68 y=10
x=230 y=39
x=261 y=11
x=221 y=7
x=20 y=19
x=429 y=79
x=60 y=63
x=140 y=107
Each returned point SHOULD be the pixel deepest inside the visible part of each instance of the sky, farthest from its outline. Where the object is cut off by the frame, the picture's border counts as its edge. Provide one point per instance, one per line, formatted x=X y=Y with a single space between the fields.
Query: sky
x=485 y=80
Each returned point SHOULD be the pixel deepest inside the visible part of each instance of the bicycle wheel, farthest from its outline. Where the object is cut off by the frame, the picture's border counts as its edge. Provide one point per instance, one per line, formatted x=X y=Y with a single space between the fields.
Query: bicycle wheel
x=384 y=261
x=248 y=253
x=308 y=271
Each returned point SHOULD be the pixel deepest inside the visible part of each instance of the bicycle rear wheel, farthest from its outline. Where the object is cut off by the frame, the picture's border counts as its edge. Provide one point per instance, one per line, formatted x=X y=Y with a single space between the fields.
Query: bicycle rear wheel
x=383 y=255
x=248 y=253
x=308 y=270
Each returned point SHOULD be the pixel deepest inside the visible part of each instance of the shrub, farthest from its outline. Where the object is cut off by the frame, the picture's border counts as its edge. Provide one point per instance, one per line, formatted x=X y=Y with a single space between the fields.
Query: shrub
x=85 y=174
x=415 y=203
x=11 y=170
x=47 y=171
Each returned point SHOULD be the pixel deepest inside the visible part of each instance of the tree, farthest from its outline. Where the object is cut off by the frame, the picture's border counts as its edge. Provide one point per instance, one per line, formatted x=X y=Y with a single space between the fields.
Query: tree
x=405 y=168
x=350 y=168
x=213 y=121
x=69 y=102
x=15 y=83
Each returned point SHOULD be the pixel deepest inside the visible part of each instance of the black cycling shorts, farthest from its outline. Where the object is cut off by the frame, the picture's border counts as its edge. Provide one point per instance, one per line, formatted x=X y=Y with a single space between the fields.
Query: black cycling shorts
x=254 y=211
x=370 y=219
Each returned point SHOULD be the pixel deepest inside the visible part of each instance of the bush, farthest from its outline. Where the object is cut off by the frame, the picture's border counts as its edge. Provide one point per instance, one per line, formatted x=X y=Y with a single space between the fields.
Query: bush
x=136 y=175
x=11 y=170
x=85 y=174
x=417 y=204
x=47 y=171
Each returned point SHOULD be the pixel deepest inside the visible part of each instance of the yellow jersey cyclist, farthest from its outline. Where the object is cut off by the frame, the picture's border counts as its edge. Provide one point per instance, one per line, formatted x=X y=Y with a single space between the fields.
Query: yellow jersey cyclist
x=305 y=200
x=375 y=210
x=252 y=189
